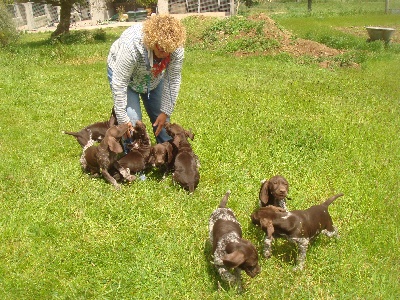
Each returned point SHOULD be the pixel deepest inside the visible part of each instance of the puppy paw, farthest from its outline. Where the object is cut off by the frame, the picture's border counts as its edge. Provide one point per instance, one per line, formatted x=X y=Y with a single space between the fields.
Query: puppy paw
x=130 y=178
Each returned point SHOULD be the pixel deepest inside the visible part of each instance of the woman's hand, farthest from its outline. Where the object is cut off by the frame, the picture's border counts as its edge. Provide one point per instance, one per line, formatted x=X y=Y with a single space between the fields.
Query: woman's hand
x=160 y=121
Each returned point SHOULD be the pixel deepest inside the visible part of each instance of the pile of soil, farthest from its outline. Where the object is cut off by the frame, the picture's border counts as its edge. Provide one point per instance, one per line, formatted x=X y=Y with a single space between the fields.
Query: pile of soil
x=293 y=46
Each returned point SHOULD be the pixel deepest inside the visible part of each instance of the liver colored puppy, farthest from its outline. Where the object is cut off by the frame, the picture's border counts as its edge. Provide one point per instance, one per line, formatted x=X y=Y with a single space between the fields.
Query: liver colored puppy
x=274 y=192
x=297 y=226
x=186 y=164
x=162 y=157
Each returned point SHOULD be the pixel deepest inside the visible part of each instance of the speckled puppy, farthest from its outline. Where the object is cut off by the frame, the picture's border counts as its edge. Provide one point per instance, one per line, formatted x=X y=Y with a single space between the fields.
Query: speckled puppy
x=297 y=226
x=229 y=249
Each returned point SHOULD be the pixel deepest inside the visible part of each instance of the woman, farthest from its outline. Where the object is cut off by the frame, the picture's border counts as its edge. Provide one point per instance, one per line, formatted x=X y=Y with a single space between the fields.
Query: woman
x=146 y=62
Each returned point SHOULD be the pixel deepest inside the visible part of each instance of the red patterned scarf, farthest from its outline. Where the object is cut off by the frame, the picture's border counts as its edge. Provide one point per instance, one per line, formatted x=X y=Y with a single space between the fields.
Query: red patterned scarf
x=159 y=67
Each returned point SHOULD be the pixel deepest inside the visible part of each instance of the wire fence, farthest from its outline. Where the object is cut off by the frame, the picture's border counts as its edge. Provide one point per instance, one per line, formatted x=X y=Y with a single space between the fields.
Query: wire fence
x=200 y=6
x=32 y=16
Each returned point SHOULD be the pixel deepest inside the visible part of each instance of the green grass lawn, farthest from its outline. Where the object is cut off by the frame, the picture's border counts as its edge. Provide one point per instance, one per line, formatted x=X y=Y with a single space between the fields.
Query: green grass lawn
x=66 y=236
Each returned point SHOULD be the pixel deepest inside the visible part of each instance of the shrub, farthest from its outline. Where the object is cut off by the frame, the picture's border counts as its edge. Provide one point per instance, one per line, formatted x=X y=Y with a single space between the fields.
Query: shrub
x=81 y=37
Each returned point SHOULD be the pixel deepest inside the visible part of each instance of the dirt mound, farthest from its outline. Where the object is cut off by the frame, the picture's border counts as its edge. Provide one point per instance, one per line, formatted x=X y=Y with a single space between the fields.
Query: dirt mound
x=291 y=45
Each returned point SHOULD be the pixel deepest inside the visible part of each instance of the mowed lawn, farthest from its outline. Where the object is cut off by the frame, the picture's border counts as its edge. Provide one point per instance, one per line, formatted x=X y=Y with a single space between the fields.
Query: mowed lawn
x=327 y=130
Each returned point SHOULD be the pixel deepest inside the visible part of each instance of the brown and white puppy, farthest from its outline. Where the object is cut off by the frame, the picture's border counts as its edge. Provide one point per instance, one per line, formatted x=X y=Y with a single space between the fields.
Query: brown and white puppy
x=96 y=130
x=274 y=192
x=137 y=159
x=162 y=157
x=297 y=226
x=101 y=158
x=230 y=250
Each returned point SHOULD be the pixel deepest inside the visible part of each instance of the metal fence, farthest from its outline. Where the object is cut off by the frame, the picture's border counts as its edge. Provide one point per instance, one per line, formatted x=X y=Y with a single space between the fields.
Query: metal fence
x=200 y=6
x=32 y=16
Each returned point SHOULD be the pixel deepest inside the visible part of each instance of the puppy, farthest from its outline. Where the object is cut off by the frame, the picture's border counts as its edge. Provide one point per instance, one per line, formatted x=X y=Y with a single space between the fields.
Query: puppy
x=101 y=158
x=186 y=171
x=274 y=192
x=174 y=129
x=162 y=157
x=96 y=130
x=230 y=250
x=186 y=163
x=297 y=226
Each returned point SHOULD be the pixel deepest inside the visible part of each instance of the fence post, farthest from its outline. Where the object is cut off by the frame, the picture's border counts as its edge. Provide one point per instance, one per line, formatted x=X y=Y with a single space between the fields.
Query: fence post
x=47 y=12
x=29 y=15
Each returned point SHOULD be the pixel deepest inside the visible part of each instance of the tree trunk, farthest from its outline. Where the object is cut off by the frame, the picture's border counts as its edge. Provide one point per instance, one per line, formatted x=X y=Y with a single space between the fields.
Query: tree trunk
x=65 y=19
x=309 y=5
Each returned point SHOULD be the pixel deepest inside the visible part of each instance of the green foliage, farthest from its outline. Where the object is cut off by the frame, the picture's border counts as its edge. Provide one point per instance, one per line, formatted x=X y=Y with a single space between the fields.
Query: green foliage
x=8 y=31
x=228 y=35
x=147 y=3
x=138 y=3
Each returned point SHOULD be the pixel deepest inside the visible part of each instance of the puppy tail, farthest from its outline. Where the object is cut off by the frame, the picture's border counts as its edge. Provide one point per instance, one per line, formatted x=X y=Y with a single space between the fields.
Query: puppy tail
x=76 y=134
x=224 y=200
x=331 y=199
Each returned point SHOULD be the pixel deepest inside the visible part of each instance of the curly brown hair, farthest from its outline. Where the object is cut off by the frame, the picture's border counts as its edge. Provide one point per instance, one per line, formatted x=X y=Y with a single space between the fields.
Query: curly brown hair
x=164 y=30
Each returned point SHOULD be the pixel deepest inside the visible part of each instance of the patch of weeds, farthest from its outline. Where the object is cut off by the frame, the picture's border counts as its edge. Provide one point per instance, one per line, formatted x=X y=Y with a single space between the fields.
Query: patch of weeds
x=195 y=27
x=249 y=44
x=237 y=34
x=350 y=58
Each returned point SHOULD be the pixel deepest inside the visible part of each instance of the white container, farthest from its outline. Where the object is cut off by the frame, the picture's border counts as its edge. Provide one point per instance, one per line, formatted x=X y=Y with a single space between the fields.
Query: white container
x=380 y=33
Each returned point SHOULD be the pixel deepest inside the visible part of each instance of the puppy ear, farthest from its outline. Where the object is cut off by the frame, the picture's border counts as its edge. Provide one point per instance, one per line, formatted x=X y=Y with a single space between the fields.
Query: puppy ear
x=267 y=223
x=264 y=192
x=255 y=219
x=169 y=153
x=114 y=145
x=234 y=259
x=113 y=118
